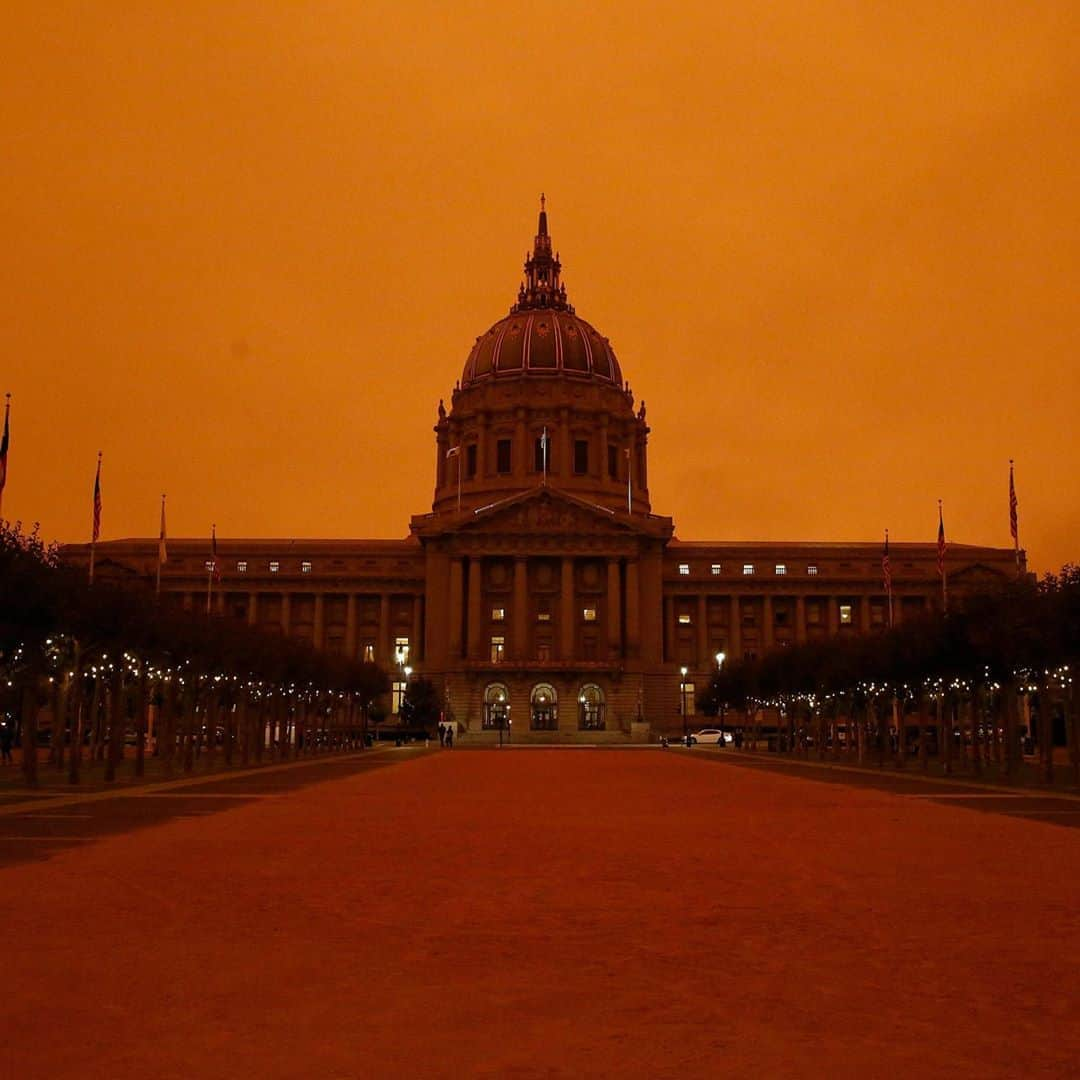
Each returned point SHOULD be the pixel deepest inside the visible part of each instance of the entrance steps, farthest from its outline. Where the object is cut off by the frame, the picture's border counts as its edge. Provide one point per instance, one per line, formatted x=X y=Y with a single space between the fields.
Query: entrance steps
x=545 y=738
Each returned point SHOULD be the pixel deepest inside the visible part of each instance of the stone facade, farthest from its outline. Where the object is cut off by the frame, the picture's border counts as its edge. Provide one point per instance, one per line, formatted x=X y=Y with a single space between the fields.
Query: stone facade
x=541 y=593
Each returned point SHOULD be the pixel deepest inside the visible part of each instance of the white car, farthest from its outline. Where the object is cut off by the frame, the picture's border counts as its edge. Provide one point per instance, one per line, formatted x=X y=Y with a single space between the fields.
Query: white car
x=712 y=735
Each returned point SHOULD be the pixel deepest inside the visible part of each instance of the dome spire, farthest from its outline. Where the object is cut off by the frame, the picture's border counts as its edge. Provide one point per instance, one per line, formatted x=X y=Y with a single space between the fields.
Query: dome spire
x=542 y=287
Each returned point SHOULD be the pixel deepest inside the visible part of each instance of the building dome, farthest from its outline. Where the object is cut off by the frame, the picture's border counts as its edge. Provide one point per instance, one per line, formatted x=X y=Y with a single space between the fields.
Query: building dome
x=542 y=335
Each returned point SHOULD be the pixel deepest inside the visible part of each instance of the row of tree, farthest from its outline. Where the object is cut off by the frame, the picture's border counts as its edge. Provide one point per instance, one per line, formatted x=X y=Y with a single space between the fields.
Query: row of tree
x=107 y=660
x=975 y=686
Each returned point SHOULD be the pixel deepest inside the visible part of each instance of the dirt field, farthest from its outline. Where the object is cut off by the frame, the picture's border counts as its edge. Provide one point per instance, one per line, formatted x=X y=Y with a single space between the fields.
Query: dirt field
x=551 y=913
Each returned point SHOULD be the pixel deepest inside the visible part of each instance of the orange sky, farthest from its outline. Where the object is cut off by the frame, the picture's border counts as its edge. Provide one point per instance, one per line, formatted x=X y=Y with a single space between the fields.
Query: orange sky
x=835 y=246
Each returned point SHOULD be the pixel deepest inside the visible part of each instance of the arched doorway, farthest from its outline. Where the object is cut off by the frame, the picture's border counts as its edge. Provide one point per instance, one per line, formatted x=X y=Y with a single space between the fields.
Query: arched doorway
x=496 y=707
x=544 y=708
x=591 y=708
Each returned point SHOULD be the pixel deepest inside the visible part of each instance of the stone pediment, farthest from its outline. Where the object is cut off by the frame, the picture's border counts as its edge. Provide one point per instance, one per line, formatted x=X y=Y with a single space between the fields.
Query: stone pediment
x=977 y=575
x=545 y=512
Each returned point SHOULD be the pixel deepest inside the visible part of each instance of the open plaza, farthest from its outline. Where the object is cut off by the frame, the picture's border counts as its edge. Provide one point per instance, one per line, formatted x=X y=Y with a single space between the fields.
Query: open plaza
x=542 y=912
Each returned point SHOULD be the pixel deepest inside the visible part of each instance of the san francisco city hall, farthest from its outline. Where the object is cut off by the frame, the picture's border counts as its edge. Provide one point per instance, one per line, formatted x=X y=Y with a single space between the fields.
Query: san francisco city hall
x=541 y=593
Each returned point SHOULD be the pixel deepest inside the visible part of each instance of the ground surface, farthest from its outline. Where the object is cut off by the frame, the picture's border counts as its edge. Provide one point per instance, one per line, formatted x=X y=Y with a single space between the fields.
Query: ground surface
x=539 y=913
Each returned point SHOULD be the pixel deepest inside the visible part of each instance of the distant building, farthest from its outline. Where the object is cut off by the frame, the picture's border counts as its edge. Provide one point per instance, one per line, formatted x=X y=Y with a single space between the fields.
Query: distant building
x=541 y=592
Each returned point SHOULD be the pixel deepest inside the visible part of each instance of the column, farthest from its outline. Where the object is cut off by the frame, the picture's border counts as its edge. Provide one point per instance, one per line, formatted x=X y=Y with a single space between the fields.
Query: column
x=832 y=613
x=670 y=652
x=567 y=610
x=702 y=634
x=864 y=613
x=614 y=598
x=350 y=626
x=219 y=601
x=800 y=619
x=457 y=594
x=318 y=631
x=253 y=609
x=286 y=613
x=481 y=446
x=474 y=615
x=652 y=605
x=633 y=609
x=767 y=637
x=519 y=612
x=603 y=473
x=416 y=640
x=566 y=456
x=735 y=629
x=385 y=646
x=522 y=462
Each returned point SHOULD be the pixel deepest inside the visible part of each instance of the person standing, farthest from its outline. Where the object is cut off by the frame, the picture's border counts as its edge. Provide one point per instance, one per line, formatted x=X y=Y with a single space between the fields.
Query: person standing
x=449 y=737
x=6 y=739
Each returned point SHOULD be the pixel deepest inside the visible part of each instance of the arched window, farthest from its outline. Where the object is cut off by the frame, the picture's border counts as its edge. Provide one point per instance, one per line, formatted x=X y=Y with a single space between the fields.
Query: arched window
x=591 y=708
x=496 y=707
x=544 y=708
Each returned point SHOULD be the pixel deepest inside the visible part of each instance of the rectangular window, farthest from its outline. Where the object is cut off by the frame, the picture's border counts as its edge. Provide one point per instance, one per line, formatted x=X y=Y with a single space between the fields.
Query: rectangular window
x=401 y=650
x=716 y=569
x=687 y=690
x=241 y=567
x=398 y=690
x=367 y=652
x=543 y=616
x=275 y=567
x=613 y=461
x=845 y=614
x=502 y=456
x=684 y=568
x=543 y=650
x=811 y=570
x=748 y=569
x=470 y=460
x=813 y=614
x=538 y=454
x=877 y=614
x=498 y=650
x=581 y=456
x=684 y=619
x=498 y=614
x=305 y=567
x=209 y=566
x=589 y=614
x=781 y=569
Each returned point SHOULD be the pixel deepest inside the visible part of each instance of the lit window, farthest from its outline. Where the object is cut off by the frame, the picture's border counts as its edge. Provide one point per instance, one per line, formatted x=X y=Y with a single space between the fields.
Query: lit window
x=241 y=567
x=368 y=652
x=589 y=614
x=305 y=567
x=498 y=650
x=845 y=614
x=781 y=569
x=543 y=616
x=401 y=650
x=275 y=567
x=498 y=614
x=687 y=691
x=748 y=569
x=812 y=570
x=716 y=568
x=209 y=566
x=398 y=689
x=684 y=568
x=684 y=619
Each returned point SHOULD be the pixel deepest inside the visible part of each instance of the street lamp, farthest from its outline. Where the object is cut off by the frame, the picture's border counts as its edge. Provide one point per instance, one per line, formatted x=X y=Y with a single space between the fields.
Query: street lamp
x=682 y=706
x=720 y=658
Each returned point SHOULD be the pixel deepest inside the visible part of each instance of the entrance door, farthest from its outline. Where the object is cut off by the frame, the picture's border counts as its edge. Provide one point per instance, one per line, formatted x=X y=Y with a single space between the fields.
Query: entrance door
x=544 y=708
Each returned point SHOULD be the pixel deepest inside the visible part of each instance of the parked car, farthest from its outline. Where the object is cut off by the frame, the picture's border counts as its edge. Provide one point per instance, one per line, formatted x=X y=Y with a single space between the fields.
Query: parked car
x=713 y=735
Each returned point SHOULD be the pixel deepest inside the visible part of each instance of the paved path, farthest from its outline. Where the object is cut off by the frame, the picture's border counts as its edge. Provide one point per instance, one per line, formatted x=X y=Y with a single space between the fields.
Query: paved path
x=548 y=914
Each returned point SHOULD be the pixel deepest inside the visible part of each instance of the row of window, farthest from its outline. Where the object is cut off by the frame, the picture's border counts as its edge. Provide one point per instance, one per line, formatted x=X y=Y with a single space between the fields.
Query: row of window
x=274 y=566
x=813 y=615
x=749 y=569
x=543 y=458
x=498 y=614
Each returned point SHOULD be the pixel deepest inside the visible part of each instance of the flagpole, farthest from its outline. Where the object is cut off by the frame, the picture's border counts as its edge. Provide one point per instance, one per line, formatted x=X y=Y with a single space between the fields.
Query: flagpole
x=543 y=447
x=210 y=569
x=97 y=517
x=941 y=559
x=1013 y=522
x=161 y=549
x=887 y=564
x=4 y=441
x=455 y=452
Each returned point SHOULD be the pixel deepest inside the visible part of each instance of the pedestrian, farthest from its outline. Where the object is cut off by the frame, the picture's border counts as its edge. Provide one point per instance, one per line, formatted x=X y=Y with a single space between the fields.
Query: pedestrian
x=449 y=737
x=442 y=734
x=6 y=738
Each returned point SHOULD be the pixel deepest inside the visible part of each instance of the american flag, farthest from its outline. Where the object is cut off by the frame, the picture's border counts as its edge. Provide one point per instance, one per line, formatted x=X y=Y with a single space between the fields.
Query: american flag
x=940 y=542
x=886 y=569
x=162 y=553
x=1013 y=525
x=97 y=503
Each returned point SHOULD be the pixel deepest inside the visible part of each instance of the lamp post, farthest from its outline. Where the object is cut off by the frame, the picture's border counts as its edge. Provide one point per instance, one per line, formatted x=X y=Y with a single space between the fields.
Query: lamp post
x=682 y=707
x=720 y=658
